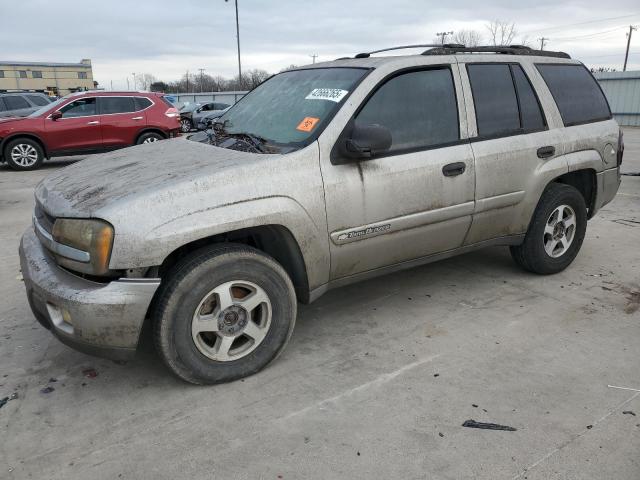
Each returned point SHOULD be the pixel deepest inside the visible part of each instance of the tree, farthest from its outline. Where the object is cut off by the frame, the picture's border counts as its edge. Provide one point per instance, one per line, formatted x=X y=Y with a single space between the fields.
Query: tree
x=468 y=38
x=501 y=32
x=159 y=86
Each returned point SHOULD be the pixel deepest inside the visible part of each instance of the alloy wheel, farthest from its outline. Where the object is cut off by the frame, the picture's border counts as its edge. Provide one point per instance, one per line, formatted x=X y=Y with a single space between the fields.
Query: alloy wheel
x=231 y=321
x=24 y=155
x=559 y=231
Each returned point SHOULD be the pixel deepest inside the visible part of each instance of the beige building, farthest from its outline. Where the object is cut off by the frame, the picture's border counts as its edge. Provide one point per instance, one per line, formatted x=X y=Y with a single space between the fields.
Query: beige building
x=52 y=78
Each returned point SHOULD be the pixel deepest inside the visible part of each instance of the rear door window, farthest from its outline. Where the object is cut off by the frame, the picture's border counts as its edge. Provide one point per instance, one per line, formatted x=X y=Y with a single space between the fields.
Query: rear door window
x=112 y=105
x=576 y=93
x=2 y=107
x=495 y=99
x=530 y=111
x=419 y=108
x=15 y=102
x=37 y=100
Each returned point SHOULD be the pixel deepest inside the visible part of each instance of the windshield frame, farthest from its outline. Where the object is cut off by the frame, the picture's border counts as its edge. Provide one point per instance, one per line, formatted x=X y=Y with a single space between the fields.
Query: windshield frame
x=294 y=146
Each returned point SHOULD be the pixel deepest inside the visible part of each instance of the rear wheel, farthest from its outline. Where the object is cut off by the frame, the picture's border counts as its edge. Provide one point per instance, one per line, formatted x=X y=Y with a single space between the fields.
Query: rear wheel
x=149 y=137
x=185 y=125
x=224 y=312
x=556 y=232
x=24 y=154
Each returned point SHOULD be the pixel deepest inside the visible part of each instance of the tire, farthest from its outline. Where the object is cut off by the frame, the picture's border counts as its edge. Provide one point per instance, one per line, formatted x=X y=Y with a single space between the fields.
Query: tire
x=551 y=244
x=24 y=154
x=149 y=137
x=190 y=295
x=186 y=125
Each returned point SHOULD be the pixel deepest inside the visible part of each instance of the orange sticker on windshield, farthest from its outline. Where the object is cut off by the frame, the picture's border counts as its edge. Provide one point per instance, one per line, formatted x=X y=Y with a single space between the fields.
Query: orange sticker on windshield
x=307 y=124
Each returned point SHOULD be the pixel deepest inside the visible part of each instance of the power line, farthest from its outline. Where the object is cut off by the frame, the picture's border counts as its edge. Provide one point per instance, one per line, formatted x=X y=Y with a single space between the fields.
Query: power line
x=581 y=23
x=586 y=35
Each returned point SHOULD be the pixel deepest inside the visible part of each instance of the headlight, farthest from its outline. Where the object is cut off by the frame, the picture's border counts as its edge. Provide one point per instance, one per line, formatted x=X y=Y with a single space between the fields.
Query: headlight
x=92 y=236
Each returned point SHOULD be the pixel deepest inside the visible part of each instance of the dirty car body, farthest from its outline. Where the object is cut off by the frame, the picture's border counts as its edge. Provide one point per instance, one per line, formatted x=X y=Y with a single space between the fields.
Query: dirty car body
x=328 y=209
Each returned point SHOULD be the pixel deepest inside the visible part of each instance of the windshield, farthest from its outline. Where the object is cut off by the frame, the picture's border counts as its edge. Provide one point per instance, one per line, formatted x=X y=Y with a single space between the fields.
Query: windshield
x=288 y=108
x=47 y=107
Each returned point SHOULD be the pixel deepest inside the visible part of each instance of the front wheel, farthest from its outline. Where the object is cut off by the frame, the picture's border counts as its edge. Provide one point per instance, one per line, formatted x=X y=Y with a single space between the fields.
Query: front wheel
x=223 y=313
x=24 y=154
x=556 y=232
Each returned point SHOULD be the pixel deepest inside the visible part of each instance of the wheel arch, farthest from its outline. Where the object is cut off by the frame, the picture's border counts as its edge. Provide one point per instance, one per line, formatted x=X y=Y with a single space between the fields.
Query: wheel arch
x=275 y=240
x=30 y=136
x=585 y=181
x=157 y=130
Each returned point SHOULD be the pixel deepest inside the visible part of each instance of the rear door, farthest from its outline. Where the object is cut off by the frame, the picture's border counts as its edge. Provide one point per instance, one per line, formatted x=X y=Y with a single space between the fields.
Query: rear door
x=415 y=200
x=512 y=145
x=77 y=130
x=120 y=121
x=17 y=106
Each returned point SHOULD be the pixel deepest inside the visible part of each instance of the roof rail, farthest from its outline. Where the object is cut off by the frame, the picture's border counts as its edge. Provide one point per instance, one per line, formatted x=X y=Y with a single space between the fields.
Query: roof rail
x=503 y=49
x=434 y=45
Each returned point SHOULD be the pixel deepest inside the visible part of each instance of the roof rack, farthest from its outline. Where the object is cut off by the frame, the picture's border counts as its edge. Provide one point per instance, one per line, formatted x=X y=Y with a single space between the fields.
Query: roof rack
x=502 y=49
x=453 y=48
x=368 y=54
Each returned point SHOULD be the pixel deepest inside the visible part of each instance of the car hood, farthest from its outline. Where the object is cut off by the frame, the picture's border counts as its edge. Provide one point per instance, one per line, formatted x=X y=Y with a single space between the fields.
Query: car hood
x=111 y=180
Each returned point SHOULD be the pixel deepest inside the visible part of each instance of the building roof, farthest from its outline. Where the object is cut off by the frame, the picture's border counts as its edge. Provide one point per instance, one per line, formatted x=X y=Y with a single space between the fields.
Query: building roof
x=44 y=64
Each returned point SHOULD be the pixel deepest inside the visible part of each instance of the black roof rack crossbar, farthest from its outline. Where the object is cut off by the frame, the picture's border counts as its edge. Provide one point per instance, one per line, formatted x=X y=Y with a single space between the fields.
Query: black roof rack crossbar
x=504 y=49
x=435 y=45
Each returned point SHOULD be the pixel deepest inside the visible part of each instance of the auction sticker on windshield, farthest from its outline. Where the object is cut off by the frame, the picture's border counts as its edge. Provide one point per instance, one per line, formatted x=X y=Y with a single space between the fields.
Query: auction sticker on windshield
x=307 y=124
x=331 y=94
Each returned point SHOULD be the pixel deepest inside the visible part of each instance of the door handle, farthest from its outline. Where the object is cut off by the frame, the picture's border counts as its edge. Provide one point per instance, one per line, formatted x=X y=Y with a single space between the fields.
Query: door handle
x=453 y=169
x=546 y=152
x=95 y=122
x=137 y=118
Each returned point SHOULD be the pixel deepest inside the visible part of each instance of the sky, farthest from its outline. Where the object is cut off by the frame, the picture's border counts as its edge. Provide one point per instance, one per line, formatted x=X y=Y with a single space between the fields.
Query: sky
x=166 y=39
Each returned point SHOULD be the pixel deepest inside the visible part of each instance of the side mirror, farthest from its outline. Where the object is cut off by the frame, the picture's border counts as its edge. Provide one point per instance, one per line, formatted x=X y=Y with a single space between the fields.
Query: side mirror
x=366 y=141
x=56 y=115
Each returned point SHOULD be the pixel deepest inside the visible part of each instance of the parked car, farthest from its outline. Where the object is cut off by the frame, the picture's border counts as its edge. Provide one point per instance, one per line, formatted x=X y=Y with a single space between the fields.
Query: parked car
x=192 y=113
x=320 y=177
x=21 y=104
x=207 y=120
x=86 y=122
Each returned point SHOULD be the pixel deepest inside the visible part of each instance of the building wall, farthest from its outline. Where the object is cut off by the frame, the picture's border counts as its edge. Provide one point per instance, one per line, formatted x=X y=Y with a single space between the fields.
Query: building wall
x=622 y=89
x=57 y=78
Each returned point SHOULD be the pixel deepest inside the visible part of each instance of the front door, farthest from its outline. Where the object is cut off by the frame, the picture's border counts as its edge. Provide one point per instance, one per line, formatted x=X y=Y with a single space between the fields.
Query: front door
x=416 y=199
x=77 y=130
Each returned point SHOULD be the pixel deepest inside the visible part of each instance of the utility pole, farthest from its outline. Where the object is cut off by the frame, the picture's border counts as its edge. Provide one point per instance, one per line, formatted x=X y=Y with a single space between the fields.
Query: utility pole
x=542 y=40
x=238 y=37
x=314 y=56
x=626 y=55
x=134 y=80
x=201 y=78
x=187 y=77
x=443 y=36
x=127 y=83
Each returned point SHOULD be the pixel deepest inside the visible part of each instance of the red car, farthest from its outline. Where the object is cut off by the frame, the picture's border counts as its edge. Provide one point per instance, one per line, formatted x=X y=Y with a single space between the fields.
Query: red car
x=86 y=122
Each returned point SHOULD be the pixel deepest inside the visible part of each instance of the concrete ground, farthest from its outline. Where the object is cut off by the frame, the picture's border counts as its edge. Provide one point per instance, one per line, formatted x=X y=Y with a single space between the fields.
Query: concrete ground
x=376 y=382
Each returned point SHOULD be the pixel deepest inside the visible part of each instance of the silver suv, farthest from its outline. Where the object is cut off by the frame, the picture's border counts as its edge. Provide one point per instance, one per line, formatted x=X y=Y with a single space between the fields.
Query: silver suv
x=21 y=104
x=320 y=177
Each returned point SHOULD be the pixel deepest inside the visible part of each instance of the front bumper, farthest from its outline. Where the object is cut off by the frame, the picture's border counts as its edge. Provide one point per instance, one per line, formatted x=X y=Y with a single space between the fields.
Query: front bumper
x=95 y=318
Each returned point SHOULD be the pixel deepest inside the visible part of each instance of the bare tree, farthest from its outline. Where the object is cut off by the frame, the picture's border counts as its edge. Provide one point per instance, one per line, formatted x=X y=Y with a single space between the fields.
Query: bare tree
x=144 y=81
x=468 y=38
x=501 y=32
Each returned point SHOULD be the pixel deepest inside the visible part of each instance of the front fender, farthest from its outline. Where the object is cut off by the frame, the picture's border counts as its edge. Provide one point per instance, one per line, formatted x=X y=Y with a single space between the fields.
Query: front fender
x=161 y=240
